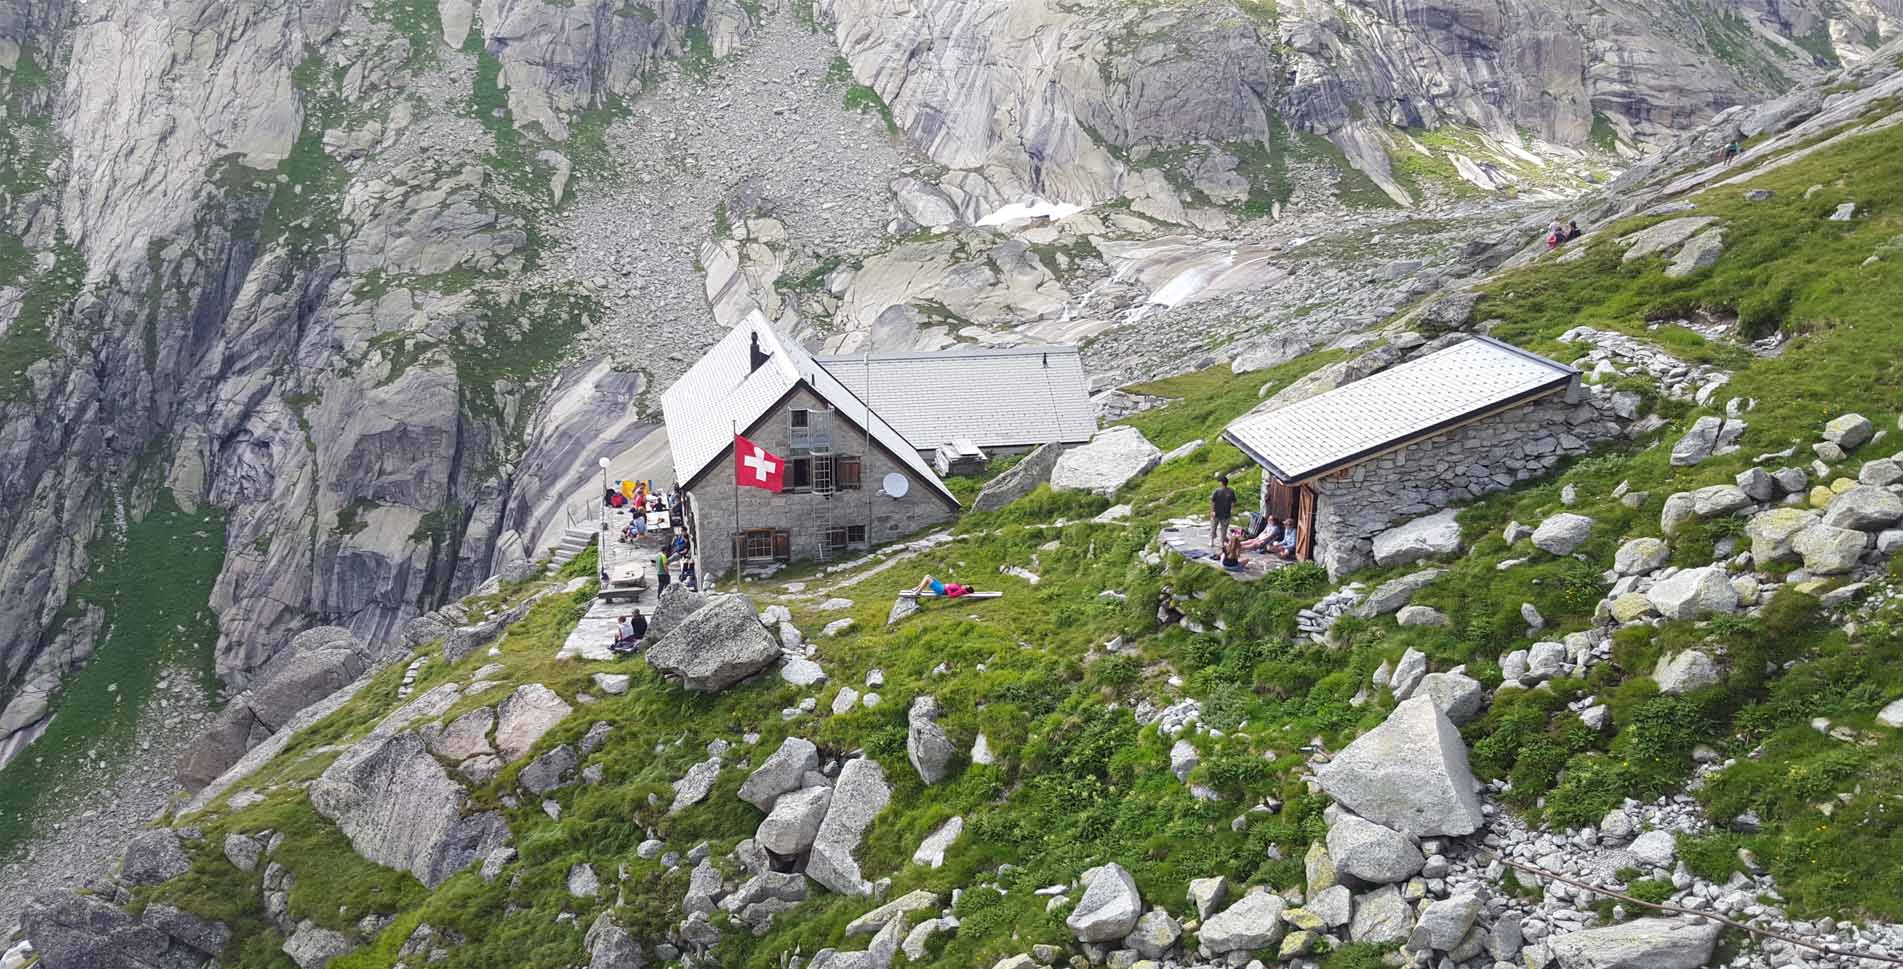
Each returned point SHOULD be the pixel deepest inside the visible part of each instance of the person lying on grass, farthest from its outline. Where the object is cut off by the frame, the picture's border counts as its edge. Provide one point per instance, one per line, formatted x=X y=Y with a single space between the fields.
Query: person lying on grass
x=949 y=590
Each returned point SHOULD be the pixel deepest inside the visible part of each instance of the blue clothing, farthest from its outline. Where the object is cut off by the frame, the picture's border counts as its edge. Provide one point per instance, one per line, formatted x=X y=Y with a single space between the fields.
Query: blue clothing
x=938 y=588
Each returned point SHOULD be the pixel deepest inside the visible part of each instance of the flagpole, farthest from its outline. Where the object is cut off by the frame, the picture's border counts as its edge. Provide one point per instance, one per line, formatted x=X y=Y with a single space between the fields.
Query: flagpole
x=735 y=541
x=866 y=454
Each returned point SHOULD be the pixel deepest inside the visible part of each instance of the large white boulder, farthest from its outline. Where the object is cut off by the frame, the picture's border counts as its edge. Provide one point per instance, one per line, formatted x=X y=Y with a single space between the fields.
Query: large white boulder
x=1772 y=532
x=1866 y=508
x=1562 y=533
x=1685 y=671
x=399 y=809
x=794 y=821
x=1828 y=550
x=1436 y=534
x=926 y=745
x=1694 y=594
x=1849 y=431
x=1253 y=922
x=1640 y=556
x=1111 y=459
x=1110 y=906
x=858 y=796
x=784 y=771
x=717 y=646
x=1371 y=852
x=1410 y=774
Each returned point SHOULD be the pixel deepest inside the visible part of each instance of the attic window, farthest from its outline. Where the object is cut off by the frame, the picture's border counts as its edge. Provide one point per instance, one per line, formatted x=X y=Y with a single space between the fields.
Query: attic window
x=802 y=418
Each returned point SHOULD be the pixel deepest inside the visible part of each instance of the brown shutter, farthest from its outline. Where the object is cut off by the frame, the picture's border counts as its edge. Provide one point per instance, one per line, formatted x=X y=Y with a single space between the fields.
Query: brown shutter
x=1305 y=531
x=783 y=545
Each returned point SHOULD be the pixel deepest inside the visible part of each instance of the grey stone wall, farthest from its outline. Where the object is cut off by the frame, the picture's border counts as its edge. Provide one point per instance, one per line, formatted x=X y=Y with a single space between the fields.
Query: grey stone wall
x=1467 y=462
x=807 y=516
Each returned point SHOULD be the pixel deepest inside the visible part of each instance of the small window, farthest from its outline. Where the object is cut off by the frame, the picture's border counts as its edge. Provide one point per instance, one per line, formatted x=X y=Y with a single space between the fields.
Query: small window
x=847 y=473
x=802 y=418
x=758 y=544
x=799 y=474
x=856 y=535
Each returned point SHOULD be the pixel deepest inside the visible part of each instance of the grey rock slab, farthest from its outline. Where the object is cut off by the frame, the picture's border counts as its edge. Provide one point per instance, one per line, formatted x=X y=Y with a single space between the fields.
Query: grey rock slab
x=1020 y=479
x=1112 y=459
x=1694 y=594
x=790 y=827
x=397 y=807
x=1638 y=944
x=859 y=795
x=1849 y=431
x=1701 y=252
x=1381 y=916
x=1892 y=714
x=1109 y=907
x=675 y=605
x=695 y=785
x=1206 y=895
x=783 y=771
x=931 y=851
x=1562 y=534
x=1641 y=556
x=1334 y=905
x=1685 y=671
x=243 y=852
x=926 y=745
x=154 y=857
x=1828 y=550
x=1444 y=923
x=1431 y=535
x=1657 y=849
x=1866 y=508
x=313 y=947
x=1707 y=436
x=1457 y=695
x=1665 y=235
x=610 y=947
x=1156 y=933
x=1184 y=759
x=1253 y=922
x=549 y=771
x=914 y=901
x=717 y=646
x=525 y=716
x=612 y=684
x=1371 y=852
x=1391 y=595
x=1773 y=532
x=1408 y=673
x=802 y=672
x=1410 y=773
x=1422 y=616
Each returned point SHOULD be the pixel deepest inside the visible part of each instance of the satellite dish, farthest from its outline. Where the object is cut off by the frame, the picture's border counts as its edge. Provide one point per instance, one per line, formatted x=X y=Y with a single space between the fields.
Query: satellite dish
x=895 y=485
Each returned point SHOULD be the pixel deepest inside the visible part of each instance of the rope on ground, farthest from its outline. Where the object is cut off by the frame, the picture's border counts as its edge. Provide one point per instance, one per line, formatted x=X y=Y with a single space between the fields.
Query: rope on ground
x=1677 y=910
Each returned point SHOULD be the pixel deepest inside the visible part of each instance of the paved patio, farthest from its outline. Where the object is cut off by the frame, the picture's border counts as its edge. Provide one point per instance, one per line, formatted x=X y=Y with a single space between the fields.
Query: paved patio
x=1189 y=537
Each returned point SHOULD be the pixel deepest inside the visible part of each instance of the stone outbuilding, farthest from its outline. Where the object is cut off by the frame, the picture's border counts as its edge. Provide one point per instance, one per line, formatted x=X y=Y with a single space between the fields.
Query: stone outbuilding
x=851 y=480
x=1443 y=428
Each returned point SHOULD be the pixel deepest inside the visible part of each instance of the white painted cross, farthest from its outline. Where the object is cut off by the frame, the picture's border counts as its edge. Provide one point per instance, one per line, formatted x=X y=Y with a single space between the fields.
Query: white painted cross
x=762 y=466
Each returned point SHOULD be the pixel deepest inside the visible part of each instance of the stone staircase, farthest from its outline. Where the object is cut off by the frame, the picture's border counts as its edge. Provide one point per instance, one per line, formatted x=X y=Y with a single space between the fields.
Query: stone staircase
x=575 y=540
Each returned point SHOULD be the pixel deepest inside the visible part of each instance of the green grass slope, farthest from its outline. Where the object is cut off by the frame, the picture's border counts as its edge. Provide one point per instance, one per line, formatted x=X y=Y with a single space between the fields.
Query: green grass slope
x=1077 y=781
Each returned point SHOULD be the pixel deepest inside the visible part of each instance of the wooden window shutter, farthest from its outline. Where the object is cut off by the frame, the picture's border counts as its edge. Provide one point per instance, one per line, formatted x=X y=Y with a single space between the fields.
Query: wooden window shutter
x=783 y=545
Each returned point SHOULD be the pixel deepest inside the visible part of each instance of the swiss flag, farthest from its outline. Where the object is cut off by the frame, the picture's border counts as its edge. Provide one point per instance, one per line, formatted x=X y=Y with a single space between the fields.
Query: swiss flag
x=755 y=467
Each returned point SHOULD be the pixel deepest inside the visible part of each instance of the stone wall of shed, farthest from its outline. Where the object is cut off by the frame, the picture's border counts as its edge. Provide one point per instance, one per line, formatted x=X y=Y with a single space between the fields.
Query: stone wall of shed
x=806 y=515
x=1454 y=467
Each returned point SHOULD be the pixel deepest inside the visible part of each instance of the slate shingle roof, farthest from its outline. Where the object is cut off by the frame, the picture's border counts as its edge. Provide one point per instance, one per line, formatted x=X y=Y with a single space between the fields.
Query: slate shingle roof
x=994 y=398
x=717 y=393
x=1416 y=399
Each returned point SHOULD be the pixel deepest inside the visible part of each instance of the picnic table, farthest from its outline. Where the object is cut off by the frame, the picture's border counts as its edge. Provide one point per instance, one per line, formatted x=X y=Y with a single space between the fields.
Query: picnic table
x=626 y=580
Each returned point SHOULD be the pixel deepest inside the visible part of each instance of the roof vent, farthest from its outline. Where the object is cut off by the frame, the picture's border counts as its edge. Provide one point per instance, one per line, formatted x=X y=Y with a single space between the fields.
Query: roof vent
x=757 y=355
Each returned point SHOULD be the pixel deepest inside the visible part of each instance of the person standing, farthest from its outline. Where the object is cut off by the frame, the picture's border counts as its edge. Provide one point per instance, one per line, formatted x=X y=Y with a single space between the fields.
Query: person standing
x=660 y=572
x=1222 y=506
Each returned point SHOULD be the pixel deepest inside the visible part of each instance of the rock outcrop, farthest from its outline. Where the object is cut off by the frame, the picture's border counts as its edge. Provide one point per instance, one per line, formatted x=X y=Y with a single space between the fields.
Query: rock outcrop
x=716 y=646
x=1409 y=774
x=399 y=809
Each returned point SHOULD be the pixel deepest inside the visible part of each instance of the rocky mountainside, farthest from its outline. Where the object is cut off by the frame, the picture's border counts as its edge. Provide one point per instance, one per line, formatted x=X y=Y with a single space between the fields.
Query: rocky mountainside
x=1669 y=674
x=338 y=283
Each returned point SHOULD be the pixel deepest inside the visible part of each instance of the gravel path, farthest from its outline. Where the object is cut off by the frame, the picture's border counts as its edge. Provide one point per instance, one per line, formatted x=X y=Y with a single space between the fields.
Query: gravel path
x=82 y=831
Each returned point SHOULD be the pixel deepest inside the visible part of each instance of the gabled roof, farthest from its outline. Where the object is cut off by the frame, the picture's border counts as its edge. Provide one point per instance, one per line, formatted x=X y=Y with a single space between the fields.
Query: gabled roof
x=993 y=398
x=1417 y=399
x=720 y=392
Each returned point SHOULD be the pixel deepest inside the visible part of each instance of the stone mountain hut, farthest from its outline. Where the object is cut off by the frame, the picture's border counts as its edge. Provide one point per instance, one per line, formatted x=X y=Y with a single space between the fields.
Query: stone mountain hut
x=1443 y=428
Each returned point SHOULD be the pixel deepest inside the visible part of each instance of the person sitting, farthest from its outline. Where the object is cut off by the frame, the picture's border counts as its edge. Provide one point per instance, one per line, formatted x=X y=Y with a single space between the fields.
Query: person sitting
x=616 y=499
x=639 y=523
x=1232 y=551
x=1572 y=230
x=629 y=631
x=679 y=545
x=1271 y=534
x=689 y=577
x=627 y=533
x=947 y=590
x=1278 y=539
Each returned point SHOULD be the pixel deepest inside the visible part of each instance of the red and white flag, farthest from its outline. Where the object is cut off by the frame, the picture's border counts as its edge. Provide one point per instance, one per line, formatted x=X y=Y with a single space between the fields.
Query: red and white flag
x=755 y=467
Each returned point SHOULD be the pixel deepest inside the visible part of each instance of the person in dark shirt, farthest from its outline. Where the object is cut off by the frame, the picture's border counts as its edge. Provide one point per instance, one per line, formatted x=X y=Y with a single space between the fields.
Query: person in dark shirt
x=1222 y=506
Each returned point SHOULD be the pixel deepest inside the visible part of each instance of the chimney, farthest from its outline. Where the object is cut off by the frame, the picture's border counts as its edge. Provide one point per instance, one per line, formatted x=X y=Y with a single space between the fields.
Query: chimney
x=757 y=355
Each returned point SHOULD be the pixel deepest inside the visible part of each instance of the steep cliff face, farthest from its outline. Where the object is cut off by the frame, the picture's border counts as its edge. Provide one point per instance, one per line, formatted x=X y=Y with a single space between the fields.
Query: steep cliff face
x=277 y=258
x=1059 y=99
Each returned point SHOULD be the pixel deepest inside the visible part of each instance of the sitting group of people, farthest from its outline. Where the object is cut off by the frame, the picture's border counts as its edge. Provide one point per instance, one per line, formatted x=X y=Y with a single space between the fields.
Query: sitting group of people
x=1556 y=233
x=1266 y=534
x=629 y=631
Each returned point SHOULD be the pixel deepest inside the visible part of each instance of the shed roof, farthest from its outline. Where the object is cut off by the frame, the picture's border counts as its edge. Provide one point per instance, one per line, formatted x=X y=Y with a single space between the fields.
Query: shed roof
x=1416 y=399
x=721 y=392
x=993 y=398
